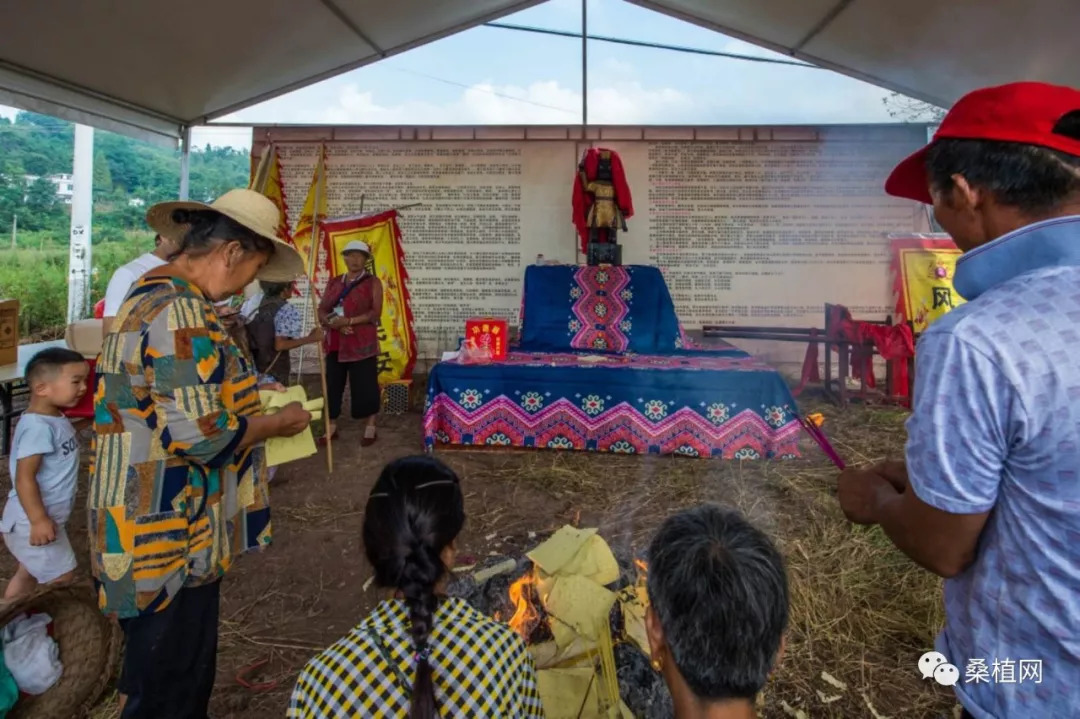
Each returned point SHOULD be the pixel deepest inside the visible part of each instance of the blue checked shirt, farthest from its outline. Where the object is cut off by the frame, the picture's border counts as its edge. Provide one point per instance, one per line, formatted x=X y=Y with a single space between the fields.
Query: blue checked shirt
x=996 y=428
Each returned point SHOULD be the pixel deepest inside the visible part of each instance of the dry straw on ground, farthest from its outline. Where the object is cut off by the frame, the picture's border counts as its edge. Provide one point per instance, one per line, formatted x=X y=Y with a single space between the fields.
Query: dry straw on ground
x=860 y=610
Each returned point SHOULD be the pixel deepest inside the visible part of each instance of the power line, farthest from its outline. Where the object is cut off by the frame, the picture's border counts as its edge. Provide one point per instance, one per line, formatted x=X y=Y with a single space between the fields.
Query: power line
x=481 y=88
x=650 y=45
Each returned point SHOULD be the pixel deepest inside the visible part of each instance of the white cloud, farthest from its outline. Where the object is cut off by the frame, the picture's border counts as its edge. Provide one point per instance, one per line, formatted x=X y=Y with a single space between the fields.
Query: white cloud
x=544 y=102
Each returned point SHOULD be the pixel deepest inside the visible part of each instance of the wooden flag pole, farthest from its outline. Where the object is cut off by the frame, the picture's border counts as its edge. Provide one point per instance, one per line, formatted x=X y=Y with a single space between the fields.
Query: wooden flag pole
x=313 y=253
x=326 y=417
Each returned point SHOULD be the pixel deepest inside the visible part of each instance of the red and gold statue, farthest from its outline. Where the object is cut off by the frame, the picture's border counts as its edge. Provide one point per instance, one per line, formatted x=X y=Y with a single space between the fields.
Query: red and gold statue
x=601 y=200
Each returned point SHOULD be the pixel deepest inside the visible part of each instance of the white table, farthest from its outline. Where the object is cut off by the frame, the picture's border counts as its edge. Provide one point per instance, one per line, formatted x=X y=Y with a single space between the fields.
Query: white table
x=11 y=376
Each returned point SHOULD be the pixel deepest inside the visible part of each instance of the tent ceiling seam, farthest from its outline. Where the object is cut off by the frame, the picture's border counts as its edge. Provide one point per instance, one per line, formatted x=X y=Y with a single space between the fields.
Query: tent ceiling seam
x=94 y=113
x=79 y=89
x=823 y=23
x=356 y=29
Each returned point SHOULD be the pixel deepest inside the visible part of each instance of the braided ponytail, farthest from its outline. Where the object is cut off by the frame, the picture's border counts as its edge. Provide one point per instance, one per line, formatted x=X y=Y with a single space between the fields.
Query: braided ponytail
x=414 y=512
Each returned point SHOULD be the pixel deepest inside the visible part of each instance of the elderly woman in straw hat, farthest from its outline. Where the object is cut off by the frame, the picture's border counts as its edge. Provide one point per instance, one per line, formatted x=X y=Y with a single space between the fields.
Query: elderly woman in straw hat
x=178 y=485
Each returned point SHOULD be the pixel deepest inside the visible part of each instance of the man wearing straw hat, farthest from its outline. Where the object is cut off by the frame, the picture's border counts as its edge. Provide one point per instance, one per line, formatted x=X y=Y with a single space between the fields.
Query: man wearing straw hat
x=989 y=497
x=178 y=484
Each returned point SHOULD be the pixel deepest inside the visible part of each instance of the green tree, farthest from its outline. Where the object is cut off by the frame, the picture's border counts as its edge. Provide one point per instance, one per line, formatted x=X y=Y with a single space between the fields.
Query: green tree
x=41 y=210
x=103 y=184
x=11 y=198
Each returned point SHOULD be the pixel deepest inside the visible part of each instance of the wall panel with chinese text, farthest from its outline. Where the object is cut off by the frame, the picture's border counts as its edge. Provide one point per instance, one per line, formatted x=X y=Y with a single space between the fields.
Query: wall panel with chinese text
x=749 y=225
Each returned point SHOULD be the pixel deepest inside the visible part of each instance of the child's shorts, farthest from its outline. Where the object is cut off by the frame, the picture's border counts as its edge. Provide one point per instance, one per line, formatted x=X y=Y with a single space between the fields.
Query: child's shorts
x=46 y=563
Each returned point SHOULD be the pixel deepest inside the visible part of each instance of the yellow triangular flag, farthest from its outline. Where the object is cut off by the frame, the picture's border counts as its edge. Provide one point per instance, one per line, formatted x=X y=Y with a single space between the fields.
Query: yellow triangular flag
x=315 y=211
x=267 y=181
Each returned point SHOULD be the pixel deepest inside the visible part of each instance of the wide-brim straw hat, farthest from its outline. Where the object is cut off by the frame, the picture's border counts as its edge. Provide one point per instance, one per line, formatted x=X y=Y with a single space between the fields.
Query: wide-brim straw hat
x=249 y=208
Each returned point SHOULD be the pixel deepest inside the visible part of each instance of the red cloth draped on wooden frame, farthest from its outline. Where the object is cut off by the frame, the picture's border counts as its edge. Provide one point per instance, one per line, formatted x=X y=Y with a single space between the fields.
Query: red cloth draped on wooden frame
x=582 y=200
x=895 y=343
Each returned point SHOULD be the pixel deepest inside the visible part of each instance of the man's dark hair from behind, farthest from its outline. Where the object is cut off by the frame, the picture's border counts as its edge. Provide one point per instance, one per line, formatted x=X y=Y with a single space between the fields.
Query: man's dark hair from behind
x=719 y=588
x=48 y=362
x=1036 y=180
x=274 y=289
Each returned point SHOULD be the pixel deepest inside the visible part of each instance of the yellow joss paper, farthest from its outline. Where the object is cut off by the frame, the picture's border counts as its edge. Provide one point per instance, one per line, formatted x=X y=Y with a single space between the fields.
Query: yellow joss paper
x=560 y=548
x=568 y=693
x=634 y=620
x=276 y=400
x=544 y=654
x=580 y=603
x=595 y=561
x=571 y=646
x=281 y=450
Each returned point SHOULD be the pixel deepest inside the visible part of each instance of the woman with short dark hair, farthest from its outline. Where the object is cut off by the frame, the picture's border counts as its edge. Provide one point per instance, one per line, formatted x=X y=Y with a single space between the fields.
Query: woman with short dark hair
x=718 y=596
x=274 y=331
x=420 y=654
x=178 y=484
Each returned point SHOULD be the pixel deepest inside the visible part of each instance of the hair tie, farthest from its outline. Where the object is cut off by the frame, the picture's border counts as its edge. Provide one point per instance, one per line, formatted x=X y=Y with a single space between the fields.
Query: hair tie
x=422 y=654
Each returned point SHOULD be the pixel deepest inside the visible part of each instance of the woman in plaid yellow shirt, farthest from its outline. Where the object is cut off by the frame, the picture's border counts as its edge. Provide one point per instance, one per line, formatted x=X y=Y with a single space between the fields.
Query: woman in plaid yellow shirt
x=419 y=655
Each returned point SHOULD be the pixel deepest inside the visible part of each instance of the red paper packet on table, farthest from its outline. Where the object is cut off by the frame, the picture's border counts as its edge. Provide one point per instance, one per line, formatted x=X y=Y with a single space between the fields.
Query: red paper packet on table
x=487 y=333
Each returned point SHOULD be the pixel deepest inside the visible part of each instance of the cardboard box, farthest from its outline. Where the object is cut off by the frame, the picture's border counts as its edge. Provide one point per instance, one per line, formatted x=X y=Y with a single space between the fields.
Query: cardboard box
x=488 y=333
x=9 y=331
x=85 y=337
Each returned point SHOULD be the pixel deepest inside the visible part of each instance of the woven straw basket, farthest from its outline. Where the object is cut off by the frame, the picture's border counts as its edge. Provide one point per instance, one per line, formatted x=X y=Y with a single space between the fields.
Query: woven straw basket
x=89 y=650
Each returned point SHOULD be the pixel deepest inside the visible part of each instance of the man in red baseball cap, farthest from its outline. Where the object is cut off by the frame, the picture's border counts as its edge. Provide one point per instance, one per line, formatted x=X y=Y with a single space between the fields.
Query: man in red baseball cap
x=989 y=494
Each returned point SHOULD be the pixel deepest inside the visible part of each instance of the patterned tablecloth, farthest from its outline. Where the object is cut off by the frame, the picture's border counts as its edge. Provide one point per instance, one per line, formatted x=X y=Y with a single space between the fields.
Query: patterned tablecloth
x=702 y=404
x=599 y=309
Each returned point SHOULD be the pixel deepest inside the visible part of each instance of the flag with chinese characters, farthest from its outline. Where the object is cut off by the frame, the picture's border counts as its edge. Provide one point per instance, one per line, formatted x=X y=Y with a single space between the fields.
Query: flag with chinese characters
x=266 y=179
x=397 y=337
x=923 y=268
x=314 y=212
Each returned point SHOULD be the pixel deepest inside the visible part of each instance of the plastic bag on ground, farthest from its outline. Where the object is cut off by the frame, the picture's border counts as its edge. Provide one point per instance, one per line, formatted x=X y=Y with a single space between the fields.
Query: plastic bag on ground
x=31 y=655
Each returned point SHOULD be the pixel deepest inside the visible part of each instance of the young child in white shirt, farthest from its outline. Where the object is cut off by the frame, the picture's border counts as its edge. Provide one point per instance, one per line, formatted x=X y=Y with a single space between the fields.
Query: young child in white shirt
x=44 y=469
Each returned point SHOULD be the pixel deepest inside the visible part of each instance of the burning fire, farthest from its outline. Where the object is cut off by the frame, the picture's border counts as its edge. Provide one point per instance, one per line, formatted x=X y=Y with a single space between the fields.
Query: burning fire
x=522 y=594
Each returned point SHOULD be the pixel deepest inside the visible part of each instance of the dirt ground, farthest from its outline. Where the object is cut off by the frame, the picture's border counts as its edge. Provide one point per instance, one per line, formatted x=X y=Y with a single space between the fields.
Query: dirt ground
x=861 y=612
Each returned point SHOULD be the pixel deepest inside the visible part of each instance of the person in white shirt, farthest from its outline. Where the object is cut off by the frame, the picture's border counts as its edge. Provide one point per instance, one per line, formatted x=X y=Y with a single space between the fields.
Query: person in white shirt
x=127 y=275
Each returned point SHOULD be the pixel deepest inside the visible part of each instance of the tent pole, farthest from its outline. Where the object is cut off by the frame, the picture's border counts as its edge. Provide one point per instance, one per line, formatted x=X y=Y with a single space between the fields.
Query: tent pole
x=185 y=161
x=584 y=63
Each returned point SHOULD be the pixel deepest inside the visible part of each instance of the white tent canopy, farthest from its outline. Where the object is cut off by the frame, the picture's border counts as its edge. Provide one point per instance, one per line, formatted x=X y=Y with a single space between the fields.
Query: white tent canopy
x=150 y=68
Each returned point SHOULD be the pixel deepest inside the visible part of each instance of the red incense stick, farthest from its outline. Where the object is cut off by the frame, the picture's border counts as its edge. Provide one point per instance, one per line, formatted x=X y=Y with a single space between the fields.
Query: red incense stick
x=819 y=436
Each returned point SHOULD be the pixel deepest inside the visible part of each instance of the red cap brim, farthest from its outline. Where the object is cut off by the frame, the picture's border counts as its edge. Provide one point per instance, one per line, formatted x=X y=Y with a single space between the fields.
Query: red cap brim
x=908 y=179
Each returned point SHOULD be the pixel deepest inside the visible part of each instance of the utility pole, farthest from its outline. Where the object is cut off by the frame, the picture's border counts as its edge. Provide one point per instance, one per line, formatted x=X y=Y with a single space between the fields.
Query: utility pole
x=82 y=209
x=185 y=162
x=14 y=229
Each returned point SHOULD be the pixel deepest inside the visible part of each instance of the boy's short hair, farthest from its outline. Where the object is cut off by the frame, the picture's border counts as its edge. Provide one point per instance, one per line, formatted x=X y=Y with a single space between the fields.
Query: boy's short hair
x=719 y=588
x=46 y=364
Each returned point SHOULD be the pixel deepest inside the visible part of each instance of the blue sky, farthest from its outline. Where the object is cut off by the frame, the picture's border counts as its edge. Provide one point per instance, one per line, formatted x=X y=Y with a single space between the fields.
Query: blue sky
x=491 y=76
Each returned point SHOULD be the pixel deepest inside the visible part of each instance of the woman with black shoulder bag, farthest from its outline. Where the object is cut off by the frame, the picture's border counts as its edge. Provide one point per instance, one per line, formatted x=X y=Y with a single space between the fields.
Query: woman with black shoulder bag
x=349 y=313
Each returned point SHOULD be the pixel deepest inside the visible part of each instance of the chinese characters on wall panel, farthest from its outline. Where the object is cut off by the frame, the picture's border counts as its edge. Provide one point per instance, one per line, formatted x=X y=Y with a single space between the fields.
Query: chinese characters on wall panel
x=746 y=232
